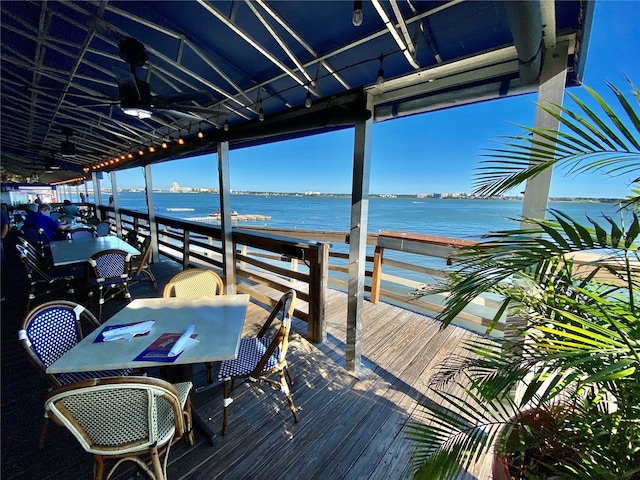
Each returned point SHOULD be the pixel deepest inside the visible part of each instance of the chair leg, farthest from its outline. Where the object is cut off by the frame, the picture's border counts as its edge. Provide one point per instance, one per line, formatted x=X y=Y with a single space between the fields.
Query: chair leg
x=152 y=278
x=98 y=467
x=226 y=389
x=286 y=369
x=100 y=303
x=43 y=432
x=209 y=366
x=285 y=389
x=157 y=465
x=188 y=423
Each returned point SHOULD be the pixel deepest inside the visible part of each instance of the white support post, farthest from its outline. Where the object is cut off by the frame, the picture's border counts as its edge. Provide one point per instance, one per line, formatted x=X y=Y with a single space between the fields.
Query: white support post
x=153 y=226
x=116 y=204
x=228 y=255
x=358 y=239
x=97 y=198
x=551 y=90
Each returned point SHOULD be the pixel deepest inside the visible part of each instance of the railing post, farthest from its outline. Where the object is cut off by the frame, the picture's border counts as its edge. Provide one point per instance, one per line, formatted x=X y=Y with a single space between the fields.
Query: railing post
x=318 y=281
x=185 y=249
x=376 y=276
x=243 y=251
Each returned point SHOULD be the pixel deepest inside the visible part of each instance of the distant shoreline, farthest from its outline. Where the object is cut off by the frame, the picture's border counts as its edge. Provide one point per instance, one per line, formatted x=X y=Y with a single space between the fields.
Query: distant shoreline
x=443 y=196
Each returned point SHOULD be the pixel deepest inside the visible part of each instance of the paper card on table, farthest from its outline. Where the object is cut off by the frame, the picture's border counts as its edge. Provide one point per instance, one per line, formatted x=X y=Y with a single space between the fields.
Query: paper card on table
x=184 y=342
x=159 y=350
x=125 y=331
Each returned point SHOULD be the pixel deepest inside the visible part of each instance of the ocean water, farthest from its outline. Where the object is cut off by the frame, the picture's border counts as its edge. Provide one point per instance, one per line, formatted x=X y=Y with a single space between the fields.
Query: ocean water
x=460 y=218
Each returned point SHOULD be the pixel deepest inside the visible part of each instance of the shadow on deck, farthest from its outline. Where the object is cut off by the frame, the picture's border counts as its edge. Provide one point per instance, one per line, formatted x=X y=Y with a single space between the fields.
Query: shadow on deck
x=350 y=427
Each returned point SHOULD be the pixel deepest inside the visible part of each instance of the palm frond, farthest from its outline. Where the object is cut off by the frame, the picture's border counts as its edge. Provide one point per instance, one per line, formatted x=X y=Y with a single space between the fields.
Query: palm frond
x=589 y=145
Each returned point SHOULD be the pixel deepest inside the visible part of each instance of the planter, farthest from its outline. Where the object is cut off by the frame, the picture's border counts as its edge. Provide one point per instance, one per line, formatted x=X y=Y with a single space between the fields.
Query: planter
x=530 y=443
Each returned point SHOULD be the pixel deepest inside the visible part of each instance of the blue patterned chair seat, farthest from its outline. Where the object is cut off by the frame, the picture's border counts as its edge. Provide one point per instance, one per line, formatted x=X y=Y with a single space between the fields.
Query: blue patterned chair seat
x=250 y=352
x=52 y=329
x=260 y=357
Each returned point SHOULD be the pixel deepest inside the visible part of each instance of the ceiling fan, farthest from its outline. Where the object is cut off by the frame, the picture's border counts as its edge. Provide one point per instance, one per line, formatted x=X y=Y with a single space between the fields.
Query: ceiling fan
x=134 y=94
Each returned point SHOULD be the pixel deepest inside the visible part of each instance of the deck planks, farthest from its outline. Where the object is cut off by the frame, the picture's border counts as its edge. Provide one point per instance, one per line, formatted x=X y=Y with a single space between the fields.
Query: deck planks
x=351 y=426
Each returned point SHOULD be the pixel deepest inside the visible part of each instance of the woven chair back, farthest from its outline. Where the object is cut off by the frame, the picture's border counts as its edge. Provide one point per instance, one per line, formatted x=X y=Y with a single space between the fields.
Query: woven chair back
x=52 y=329
x=120 y=415
x=192 y=283
x=103 y=228
x=81 y=233
x=110 y=266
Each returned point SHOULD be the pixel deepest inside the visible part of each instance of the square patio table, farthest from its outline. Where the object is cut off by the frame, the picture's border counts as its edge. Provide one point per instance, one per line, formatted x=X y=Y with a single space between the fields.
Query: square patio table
x=68 y=252
x=218 y=323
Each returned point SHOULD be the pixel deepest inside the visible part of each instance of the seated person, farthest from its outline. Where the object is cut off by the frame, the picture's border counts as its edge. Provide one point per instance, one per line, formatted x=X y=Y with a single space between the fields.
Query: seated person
x=70 y=209
x=41 y=219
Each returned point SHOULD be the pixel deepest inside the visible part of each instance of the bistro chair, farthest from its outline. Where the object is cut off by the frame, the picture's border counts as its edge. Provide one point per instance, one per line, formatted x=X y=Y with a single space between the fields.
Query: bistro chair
x=81 y=233
x=103 y=228
x=140 y=268
x=193 y=283
x=43 y=279
x=108 y=275
x=36 y=236
x=52 y=329
x=125 y=419
x=260 y=357
x=56 y=215
x=132 y=238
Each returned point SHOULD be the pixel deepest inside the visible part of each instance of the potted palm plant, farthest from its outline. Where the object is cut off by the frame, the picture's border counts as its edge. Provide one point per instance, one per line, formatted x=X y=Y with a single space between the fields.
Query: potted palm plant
x=560 y=396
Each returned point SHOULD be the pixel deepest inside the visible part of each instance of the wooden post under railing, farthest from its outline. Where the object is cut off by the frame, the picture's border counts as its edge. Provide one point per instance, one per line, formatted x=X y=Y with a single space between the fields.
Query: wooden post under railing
x=185 y=249
x=318 y=284
x=376 y=275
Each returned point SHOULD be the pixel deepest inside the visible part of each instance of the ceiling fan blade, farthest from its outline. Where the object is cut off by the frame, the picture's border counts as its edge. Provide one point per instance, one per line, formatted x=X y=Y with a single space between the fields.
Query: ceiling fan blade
x=199 y=111
x=177 y=113
x=200 y=96
x=87 y=96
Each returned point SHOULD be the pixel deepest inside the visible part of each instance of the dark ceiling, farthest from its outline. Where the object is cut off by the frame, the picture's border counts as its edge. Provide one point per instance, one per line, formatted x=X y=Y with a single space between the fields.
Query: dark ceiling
x=67 y=71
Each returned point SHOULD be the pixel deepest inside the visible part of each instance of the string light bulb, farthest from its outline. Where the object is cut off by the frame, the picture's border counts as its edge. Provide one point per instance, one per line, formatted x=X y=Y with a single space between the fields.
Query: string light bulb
x=164 y=144
x=225 y=127
x=356 y=19
x=140 y=151
x=200 y=132
x=180 y=140
x=307 y=102
x=380 y=79
x=152 y=149
x=261 y=112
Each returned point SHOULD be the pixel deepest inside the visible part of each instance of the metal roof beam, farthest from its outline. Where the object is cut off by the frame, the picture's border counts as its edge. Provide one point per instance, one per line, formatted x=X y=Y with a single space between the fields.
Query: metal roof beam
x=279 y=40
x=247 y=38
x=403 y=27
x=302 y=42
x=391 y=28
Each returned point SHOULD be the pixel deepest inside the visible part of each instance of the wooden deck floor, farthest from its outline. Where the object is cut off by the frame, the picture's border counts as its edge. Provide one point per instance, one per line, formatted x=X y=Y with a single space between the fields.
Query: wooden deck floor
x=350 y=427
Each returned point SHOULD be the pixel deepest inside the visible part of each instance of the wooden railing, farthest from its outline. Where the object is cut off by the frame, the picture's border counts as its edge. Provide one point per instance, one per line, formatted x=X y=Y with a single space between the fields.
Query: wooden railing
x=401 y=267
x=264 y=262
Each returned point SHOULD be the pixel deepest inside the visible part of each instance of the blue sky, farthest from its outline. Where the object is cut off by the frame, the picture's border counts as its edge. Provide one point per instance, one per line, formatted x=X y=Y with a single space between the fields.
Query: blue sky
x=434 y=152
